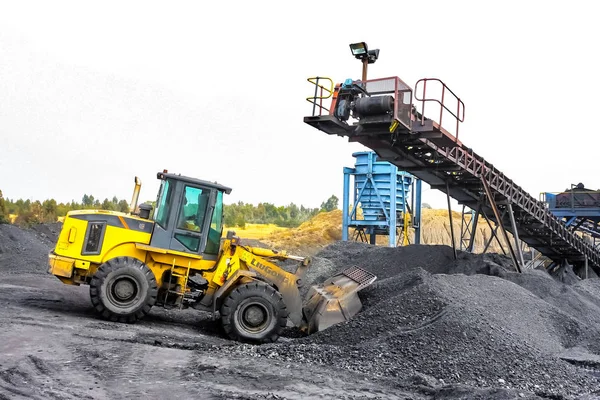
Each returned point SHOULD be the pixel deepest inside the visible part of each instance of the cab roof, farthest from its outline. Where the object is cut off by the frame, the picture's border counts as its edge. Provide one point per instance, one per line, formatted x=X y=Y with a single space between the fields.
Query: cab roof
x=200 y=182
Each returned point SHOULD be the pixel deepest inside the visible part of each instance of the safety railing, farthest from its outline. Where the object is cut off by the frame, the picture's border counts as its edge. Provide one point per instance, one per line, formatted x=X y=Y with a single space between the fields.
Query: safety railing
x=321 y=93
x=459 y=115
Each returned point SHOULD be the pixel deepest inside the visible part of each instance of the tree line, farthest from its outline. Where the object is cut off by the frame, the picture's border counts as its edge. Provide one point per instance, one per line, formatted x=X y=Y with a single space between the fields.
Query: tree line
x=266 y=213
x=239 y=214
x=35 y=212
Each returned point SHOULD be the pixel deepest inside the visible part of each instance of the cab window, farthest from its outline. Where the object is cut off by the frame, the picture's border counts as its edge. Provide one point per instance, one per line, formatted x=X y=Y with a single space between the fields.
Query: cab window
x=193 y=209
x=163 y=204
x=213 y=242
x=191 y=216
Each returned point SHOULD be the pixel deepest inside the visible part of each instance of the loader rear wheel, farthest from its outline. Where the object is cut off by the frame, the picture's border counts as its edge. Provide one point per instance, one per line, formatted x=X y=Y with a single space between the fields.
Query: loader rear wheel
x=254 y=312
x=123 y=289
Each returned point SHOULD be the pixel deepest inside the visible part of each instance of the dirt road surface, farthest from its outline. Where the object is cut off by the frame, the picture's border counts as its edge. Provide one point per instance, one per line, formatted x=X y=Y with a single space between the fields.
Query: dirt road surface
x=54 y=347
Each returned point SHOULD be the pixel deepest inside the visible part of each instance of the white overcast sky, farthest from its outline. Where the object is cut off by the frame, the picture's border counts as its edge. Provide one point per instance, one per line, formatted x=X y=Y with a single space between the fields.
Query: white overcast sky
x=95 y=93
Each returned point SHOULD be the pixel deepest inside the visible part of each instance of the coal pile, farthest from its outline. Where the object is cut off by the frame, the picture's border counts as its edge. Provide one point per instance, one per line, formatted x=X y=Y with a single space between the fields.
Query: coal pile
x=26 y=250
x=470 y=322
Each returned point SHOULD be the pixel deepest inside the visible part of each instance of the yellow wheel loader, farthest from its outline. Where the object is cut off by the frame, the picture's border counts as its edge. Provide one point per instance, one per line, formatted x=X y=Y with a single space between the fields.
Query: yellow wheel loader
x=177 y=258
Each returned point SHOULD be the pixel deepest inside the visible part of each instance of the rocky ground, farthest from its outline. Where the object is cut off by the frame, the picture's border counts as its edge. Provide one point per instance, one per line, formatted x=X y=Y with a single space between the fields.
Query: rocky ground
x=431 y=328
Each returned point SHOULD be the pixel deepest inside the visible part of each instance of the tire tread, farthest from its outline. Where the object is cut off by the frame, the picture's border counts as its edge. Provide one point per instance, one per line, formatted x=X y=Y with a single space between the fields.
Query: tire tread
x=113 y=265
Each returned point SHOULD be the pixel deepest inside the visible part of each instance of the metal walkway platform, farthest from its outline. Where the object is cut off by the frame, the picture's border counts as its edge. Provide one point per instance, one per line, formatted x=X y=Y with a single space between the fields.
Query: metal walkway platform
x=431 y=153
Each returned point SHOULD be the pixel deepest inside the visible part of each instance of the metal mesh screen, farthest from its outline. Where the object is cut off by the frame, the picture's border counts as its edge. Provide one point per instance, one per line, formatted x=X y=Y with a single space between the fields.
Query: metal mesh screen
x=360 y=276
x=386 y=85
x=404 y=107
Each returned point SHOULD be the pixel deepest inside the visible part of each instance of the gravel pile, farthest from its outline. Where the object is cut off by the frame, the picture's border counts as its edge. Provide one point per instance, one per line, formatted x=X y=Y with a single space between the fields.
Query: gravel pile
x=26 y=250
x=471 y=321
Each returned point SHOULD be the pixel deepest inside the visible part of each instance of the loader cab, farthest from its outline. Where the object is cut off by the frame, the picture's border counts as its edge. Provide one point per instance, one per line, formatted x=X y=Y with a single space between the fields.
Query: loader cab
x=188 y=215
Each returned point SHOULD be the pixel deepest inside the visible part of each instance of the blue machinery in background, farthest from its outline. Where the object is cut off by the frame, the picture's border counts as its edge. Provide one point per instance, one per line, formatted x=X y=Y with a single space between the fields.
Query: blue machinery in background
x=390 y=201
x=578 y=208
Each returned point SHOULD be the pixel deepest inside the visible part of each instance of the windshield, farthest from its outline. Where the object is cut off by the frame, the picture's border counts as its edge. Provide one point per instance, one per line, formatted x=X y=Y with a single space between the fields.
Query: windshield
x=163 y=204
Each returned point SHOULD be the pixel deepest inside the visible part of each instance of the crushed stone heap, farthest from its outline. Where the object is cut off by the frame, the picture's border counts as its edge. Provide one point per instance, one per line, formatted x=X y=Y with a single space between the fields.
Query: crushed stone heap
x=26 y=250
x=471 y=321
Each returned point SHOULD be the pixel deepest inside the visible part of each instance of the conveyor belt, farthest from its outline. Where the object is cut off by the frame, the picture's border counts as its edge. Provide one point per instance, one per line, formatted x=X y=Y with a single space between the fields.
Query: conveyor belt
x=438 y=158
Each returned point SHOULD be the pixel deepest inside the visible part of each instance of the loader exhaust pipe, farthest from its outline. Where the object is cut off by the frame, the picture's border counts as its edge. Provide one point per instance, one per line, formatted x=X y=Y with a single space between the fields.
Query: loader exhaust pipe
x=136 y=195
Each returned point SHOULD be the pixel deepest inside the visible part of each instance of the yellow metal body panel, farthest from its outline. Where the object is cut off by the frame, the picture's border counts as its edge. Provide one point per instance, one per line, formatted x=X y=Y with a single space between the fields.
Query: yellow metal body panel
x=126 y=249
x=71 y=244
x=60 y=266
x=228 y=263
x=160 y=263
x=68 y=262
x=158 y=250
x=120 y=242
x=80 y=264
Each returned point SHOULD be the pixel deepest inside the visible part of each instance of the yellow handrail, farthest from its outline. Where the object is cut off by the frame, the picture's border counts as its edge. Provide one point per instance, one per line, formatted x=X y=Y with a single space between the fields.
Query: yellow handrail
x=320 y=95
x=315 y=81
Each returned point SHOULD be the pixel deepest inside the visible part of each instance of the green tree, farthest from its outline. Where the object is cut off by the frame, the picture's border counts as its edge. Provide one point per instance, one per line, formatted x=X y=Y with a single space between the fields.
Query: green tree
x=3 y=211
x=49 y=208
x=240 y=221
x=108 y=205
x=260 y=213
x=62 y=209
x=37 y=211
x=331 y=204
x=294 y=211
x=123 y=206
x=19 y=207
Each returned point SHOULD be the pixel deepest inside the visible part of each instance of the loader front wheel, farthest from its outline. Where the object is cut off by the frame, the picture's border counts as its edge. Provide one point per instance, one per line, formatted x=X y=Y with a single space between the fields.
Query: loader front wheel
x=254 y=312
x=123 y=289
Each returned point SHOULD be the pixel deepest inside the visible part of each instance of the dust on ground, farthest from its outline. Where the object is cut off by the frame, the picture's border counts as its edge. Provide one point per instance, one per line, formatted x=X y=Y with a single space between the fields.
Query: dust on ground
x=432 y=328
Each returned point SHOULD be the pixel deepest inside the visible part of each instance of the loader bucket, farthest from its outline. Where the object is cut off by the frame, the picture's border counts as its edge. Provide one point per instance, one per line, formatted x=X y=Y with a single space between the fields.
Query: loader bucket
x=336 y=300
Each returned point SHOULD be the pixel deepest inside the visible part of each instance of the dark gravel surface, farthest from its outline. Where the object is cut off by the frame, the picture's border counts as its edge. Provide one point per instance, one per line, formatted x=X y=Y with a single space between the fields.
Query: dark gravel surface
x=470 y=322
x=431 y=328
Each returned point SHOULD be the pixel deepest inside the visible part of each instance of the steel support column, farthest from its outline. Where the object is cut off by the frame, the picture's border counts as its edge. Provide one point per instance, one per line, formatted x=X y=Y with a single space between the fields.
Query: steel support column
x=393 y=218
x=346 y=203
x=451 y=222
x=492 y=201
x=417 y=210
x=493 y=230
x=468 y=229
x=515 y=233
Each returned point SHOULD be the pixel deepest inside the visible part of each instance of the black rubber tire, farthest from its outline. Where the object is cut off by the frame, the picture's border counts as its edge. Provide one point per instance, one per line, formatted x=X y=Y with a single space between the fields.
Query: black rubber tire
x=254 y=313
x=123 y=289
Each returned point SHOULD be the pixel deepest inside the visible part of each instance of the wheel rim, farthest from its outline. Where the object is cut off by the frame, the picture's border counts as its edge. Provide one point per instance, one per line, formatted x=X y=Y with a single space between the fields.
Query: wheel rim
x=123 y=291
x=253 y=316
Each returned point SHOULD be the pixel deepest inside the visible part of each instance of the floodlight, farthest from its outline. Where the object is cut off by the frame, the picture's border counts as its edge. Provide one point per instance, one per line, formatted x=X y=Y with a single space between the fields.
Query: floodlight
x=373 y=55
x=359 y=50
x=362 y=53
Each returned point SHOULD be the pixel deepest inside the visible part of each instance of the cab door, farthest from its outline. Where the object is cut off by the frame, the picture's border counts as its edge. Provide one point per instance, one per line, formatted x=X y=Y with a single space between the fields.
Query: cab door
x=192 y=219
